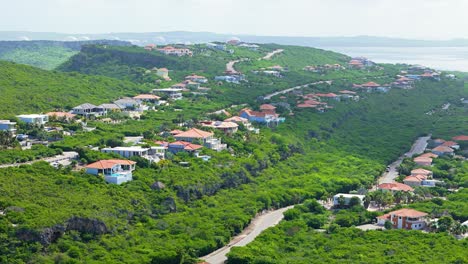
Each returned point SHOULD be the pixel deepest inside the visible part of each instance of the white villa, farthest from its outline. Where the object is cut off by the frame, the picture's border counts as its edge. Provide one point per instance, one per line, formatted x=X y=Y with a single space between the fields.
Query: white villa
x=114 y=171
x=36 y=119
x=7 y=125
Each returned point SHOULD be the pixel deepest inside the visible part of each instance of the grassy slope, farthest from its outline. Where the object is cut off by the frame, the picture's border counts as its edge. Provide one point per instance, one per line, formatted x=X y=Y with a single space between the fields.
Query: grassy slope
x=26 y=89
x=47 y=58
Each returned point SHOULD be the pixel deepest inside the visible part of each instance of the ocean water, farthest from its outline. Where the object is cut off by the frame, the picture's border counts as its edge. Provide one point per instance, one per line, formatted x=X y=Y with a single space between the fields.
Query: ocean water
x=441 y=58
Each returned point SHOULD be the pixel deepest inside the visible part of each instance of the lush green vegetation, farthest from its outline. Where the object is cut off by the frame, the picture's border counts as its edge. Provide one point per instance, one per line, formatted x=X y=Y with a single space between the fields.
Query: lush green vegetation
x=201 y=207
x=26 y=89
x=43 y=54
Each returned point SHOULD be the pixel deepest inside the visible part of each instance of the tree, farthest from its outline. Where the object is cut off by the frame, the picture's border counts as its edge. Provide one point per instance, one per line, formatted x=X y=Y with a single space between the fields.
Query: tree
x=388 y=225
x=444 y=224
x=341 y=201
x=354 y=201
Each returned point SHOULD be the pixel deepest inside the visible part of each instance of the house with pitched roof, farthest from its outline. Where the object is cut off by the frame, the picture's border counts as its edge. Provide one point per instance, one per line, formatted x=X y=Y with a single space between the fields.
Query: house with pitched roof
x=372 y=87
x=394 y=187
x=443 y=151
x=423 y=161
x=421 y=171
x=114 y=171
x=196 y=78
x=197 y=135
x=88 y=109
x=460 y=138
x=182 y=146
x=65 y=116
x=404 y=219
x=170 y=50
x=226 y=127
x=143 y=98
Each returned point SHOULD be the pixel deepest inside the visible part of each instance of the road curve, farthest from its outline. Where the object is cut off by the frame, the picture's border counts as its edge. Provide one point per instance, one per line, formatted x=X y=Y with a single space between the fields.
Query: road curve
x=418 y=147
x=256 y=227
x=271 y=54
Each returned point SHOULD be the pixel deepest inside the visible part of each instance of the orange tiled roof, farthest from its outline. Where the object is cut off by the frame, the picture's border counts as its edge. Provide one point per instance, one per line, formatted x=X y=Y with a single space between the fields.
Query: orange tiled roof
x=421 y=171
x=406 y=212
x=61 y=114
x=194 y=133
x=443 y=149
x=107 y=164
x=460 y=138
x=428 y=155
x=395 y=186
x=147 y=96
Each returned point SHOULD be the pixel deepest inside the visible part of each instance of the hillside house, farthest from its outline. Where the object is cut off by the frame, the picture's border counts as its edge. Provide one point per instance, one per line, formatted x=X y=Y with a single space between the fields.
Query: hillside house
x=109 y=108
x=360 y=63
x=172 y=93
x=162 y=72
x=420 y=171
x=114 y=171
x=416 y=180
x=451 y=144
x=65 y=116
x=196 y=78
x=403 y=83
x=169 y=50
x=217 y=46
x=244 y=121
x=347 y=198
x=127 y=103
x=35 y=119
x=394 y=187
x=372 y=87
x=88 y=109
x=226 y=127
x=404 y=219
x=423 y=161
x=197 y=135
x=128 y=152
x=8 y=126
x=182 y=146
x=443 y=151
x=147 y=98
x=150 y=47
x=460 y=138
x=253 y=47
x=267 y=117
x=235 y=78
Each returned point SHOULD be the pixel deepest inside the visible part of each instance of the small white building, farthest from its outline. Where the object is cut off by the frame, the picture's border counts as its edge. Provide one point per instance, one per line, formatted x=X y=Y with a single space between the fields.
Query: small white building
x=347 y=198
x=7 y=125
x=127 y=152
x=36 y=119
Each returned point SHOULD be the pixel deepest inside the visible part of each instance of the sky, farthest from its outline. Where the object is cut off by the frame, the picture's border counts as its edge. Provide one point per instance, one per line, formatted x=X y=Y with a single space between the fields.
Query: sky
x=417 y=19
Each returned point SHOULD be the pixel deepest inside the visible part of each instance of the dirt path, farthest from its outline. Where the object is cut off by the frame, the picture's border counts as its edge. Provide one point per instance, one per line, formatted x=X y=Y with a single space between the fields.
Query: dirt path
x=271 y=54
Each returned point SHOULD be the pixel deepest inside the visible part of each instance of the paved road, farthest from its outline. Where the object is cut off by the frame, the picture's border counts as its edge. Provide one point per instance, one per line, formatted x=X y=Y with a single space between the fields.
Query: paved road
x=230 y=66
x=65 y=156
x=271 y=54
x=257 y=226
x=269 y=96
x=418 y=147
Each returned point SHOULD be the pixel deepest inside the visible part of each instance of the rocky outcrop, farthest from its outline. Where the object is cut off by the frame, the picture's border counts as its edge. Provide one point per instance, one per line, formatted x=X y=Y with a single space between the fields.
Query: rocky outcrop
x=49 y=235
x=87 y=225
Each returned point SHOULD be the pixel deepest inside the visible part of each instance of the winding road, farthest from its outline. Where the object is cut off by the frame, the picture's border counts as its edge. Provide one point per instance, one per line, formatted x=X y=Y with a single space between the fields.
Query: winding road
x=418 y=147
x=271 y=54
x=256 y=227
x=269 y=96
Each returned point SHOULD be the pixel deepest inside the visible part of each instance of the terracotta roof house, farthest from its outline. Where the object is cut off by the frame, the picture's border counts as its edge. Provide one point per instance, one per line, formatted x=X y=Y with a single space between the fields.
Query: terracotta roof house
x=267 y=107
x=146 y=98
x=182 y=146
x=451 y=144
x=196 y=78
x=237 y=119
x=226 y=127
x=114 y=171
x=176 y=132
x=61 y=115
x=460 y=138
x=194 y=134
x=423 y=161
x=442 y=150
x=420 y=171
x=347 y=92
x=428 y=155
x=395 y=186
x=414 y=180
x=266 y=117
x=404 y=219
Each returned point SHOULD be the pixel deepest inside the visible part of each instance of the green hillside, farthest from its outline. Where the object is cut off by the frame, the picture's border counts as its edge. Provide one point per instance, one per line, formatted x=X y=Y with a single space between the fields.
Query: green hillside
x=182 y=208
x=26 y=89
x=44 y=54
